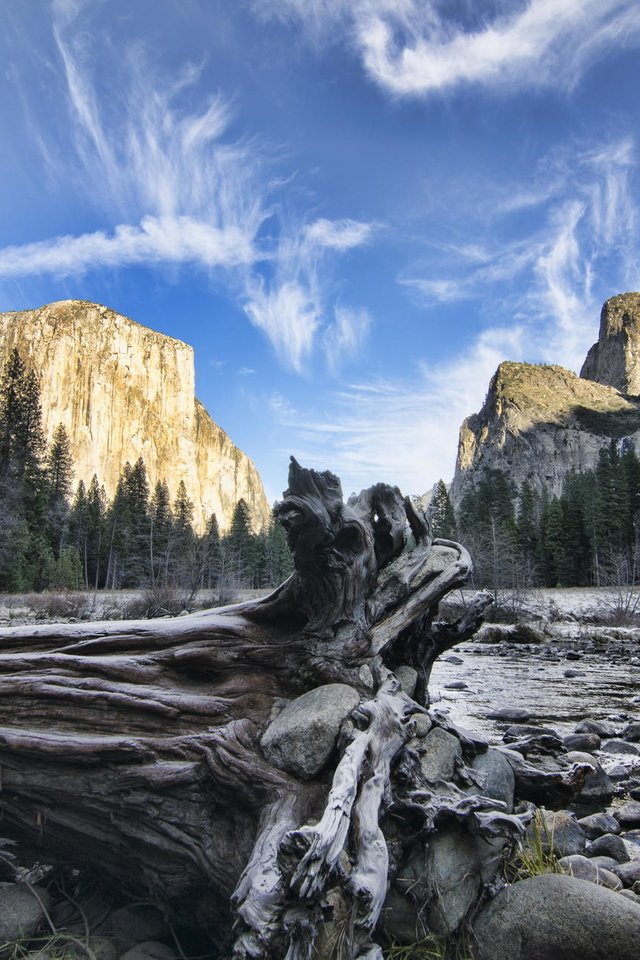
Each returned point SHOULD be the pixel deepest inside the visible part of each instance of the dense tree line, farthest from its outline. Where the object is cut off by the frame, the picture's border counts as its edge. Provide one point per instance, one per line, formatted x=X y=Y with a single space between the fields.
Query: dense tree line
x=589 y=535
x=51 y=536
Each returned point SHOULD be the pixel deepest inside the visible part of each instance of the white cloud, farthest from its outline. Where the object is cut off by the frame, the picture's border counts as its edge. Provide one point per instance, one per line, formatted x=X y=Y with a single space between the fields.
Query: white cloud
x=417 y=47
x=156 y=240
x=344 y=337
x=401 y=432
x=288 y=314
x=290 y=307
x=338 y=234
x=549 y=275
x=177 y=190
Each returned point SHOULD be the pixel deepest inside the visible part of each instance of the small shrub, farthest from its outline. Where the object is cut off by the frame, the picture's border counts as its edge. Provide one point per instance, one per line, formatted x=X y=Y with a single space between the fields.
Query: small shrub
x=536 y=856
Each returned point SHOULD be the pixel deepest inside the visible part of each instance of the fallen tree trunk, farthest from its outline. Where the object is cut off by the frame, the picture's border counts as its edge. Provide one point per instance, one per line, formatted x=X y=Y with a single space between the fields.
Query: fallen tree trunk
x=257 y=762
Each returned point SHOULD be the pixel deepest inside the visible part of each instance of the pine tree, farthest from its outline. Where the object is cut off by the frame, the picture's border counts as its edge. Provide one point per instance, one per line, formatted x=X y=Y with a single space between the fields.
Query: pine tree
x=22 y=486
x=161 y=533
x=183 y=559
x=242 y=546
x=59 y=474
x=443 y=519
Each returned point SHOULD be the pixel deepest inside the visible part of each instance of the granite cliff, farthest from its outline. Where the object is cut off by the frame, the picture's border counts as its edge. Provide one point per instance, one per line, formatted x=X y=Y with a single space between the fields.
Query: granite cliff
x=124 y=391
x=539 y=422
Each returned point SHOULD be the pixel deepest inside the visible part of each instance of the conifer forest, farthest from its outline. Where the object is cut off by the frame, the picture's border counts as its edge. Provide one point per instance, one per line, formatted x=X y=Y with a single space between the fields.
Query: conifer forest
x=55 y=533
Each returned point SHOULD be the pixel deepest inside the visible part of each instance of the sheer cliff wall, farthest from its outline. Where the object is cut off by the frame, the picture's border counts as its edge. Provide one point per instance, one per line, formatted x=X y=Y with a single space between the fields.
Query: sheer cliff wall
x=124 y=391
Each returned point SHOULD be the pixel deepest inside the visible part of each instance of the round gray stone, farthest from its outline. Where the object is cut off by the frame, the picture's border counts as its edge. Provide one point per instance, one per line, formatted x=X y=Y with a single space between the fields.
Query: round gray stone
x=620 y=746
x=440 y=754
x=585 y=869
x=629 y=814
x=585 y=742
x=604 y=728
x=558 y=832
x=497 y=779
x=597 y=824
x=301 y=739
x=609 y=845
x=555 y=917
x=21 y=913
x=510 y=714
x=629 y=872
x=149 y=950
x=632 y=731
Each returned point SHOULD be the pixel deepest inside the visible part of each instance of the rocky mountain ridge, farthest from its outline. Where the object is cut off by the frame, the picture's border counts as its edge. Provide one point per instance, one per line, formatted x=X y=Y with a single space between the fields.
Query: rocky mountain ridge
x=539 y=422
x=124 y=391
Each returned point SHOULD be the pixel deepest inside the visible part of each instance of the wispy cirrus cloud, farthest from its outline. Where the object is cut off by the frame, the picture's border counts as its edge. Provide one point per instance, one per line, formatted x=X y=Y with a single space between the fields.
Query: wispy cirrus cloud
x=400 y=431
x=290 y=305
x=547 y=274
x=177 y=189
x=421 y=47
x=174 y=185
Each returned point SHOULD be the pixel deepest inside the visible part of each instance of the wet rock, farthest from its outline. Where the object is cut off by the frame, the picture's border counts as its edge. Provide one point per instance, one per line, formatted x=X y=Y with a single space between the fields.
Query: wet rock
x=554 y=916
x=628 y=872
x=573 y=655
x=570 y=674
x=440 y=754
x=302 y=737
x=620 y=746
x=149 y=950
x=605 y=863
x=445 y=878
x=538 y=743
x=598 y=824
x=609 y=845
x=422 y=724
x=455 y=685
x=557 y=831
x=407 y=677
x=630 y=895
x=597 y=786
x=21 y=912
x=547 y=781
x=628 y=815
x=496 y=778
x=519 y=731
x=584 y=742
x=134 y=925
x=511 y=714
x=584 y=869
x=617 y=772
x=452 y=658
x=631 y=732
x=604 y=728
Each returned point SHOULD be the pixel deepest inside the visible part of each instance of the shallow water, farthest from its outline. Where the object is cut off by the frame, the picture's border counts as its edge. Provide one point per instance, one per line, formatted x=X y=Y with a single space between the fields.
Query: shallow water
x=532 y=682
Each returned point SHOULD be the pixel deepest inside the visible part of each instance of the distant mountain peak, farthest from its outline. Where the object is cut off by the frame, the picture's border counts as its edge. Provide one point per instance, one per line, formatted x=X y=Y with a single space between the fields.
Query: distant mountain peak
x=538 y=422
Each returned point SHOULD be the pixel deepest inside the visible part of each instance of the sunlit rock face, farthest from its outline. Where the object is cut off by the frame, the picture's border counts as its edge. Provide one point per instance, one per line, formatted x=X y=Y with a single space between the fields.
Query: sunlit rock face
x=539 y=422
x=615 y=358
x=123 y=391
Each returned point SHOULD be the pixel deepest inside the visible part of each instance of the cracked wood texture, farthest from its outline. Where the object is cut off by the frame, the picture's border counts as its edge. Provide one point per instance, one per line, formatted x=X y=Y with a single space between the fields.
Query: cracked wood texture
x=136 y=745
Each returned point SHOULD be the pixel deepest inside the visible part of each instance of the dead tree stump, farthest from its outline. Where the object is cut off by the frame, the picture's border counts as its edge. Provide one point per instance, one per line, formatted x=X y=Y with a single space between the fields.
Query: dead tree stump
x=178 y=754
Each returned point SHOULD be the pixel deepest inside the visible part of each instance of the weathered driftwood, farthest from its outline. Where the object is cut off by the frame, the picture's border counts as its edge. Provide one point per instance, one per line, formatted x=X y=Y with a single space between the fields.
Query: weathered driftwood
x=136 y=745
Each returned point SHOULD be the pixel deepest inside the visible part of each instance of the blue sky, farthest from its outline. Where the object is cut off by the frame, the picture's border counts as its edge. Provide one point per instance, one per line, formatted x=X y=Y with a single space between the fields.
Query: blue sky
x=352 y=209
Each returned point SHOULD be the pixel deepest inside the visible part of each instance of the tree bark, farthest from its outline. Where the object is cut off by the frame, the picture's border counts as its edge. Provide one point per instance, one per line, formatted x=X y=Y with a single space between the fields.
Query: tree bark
x=137 y=745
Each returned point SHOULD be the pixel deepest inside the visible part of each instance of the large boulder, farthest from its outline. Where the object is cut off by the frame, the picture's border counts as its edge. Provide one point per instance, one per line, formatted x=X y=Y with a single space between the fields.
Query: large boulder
x=442 y=881
x=22 y=911
x=554 y=917
x=302 y=737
